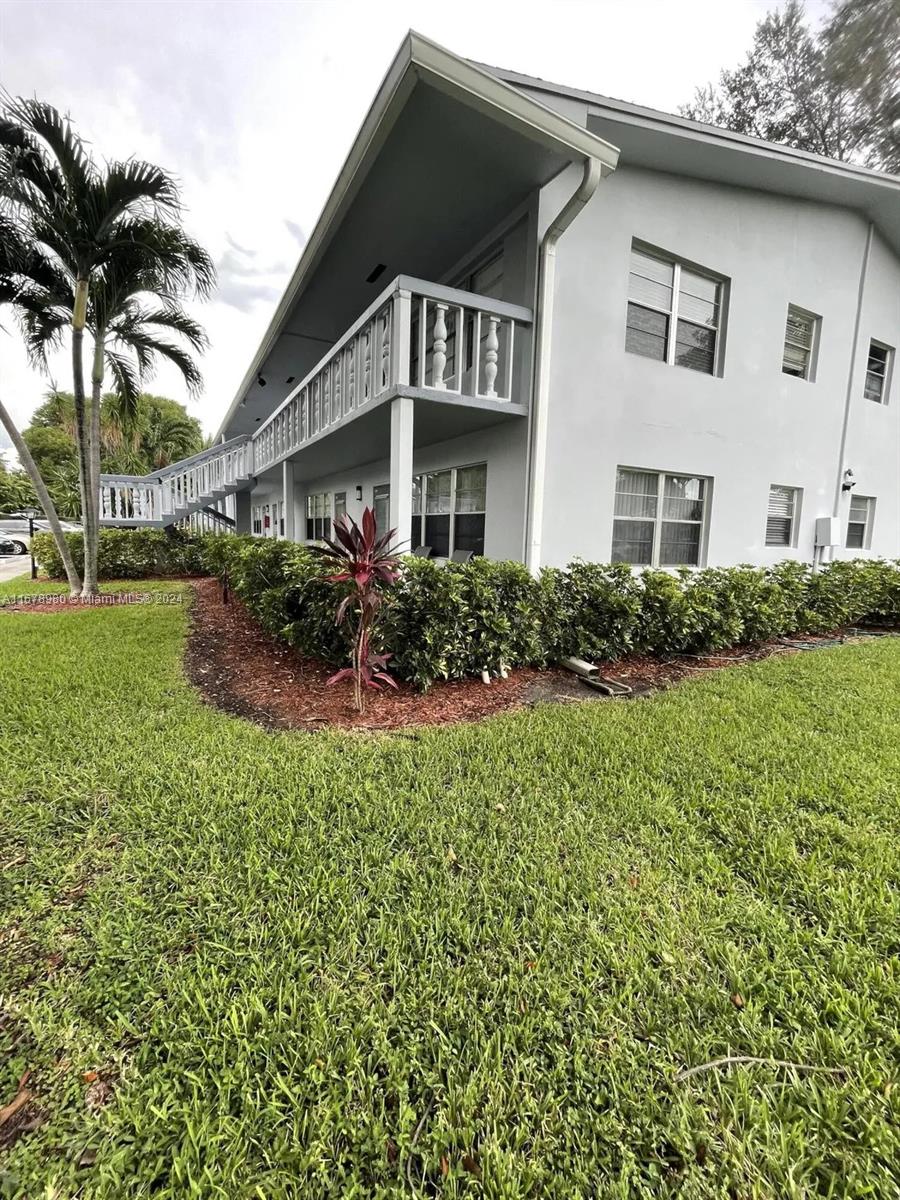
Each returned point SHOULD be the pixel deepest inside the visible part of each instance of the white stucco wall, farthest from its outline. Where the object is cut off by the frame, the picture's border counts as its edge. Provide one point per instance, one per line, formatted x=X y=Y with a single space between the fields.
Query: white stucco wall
x=750 y=428
x=502 y=447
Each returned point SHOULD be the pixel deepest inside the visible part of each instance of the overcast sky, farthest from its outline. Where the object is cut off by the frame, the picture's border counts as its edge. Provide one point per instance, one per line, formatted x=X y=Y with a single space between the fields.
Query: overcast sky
x=253 y=105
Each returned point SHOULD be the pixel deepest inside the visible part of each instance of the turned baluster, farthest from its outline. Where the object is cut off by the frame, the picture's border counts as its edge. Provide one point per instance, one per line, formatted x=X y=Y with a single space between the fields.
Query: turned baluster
x=385 y=353
x=439 y=349
x=492 y=347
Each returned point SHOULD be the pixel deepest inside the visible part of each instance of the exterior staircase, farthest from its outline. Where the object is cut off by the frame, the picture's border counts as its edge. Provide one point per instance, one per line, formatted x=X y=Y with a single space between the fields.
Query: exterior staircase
x=172 y=494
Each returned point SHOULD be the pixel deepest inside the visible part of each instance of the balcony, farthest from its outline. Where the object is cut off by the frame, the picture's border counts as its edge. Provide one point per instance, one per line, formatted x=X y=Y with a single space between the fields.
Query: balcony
x=418 y=339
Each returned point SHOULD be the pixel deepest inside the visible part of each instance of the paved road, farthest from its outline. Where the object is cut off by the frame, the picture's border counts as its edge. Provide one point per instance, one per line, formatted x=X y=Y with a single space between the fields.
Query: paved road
x=13 y=565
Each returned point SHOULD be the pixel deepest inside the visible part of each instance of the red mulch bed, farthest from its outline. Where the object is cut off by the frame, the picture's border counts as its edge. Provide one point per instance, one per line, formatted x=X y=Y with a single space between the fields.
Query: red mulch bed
x=239 y=668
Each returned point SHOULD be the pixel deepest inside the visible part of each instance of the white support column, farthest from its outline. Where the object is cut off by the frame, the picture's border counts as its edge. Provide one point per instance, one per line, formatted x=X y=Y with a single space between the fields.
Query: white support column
x=243 y=513
x=402 y=468
x=290 y=506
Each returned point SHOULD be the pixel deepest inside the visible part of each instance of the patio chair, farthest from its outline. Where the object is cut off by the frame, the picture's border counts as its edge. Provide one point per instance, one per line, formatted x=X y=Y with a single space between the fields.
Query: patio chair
x=460 y=556
x=422 y=552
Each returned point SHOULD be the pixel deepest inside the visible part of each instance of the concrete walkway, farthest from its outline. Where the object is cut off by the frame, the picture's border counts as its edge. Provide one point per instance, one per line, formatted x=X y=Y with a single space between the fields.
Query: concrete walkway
x=13 y=565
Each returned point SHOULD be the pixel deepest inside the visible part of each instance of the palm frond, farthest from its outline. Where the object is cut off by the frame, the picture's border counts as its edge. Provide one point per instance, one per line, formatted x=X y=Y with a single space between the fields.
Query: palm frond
x=128 y=389
x=25 y=167
x=155 y=347
x=42 y=327
x=131 y=186
x=58 y=134
x=179 y=265
x=169 y=317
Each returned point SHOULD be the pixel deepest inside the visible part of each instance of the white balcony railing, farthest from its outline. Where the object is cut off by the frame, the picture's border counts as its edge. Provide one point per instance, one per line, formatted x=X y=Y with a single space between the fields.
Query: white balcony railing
x=416 y=336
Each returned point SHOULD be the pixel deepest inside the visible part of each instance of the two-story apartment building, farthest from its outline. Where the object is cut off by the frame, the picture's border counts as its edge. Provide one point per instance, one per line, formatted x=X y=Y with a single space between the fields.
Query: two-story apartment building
x=536 y=323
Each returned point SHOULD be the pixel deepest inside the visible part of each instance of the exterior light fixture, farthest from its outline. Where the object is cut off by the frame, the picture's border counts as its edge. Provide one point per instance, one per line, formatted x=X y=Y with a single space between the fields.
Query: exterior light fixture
x=849 y=482
x=261 y=381
x=359 y=491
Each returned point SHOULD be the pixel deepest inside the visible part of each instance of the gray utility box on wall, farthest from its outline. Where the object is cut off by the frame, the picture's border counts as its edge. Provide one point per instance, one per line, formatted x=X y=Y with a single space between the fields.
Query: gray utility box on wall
x=828 y=531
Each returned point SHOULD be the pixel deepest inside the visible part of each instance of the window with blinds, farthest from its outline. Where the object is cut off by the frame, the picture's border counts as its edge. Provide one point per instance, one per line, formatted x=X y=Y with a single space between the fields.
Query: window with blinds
x=859 y=522
x=318 y=517
x=659 y=519
x=783 y=511
x=799 y=343
x=449 y=509
x=674 y=312
x=877 y=371
x=381 y=506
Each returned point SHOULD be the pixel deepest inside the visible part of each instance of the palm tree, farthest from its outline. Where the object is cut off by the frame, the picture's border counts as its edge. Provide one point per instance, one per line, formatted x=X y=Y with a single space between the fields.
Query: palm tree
x=168 y=433
x=108 y=256
x=16 y=263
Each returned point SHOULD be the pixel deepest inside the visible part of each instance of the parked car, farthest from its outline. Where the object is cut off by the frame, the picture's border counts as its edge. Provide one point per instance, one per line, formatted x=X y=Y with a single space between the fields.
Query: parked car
x=10 y=544
x=17 y=524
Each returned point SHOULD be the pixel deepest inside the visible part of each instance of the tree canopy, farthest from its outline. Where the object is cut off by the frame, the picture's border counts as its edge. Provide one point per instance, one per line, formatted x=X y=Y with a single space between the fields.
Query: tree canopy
x=833 y=91
x=155 y=432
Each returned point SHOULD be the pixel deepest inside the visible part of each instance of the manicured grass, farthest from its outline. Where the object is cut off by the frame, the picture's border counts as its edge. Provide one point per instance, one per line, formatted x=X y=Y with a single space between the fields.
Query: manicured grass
x=469 y=963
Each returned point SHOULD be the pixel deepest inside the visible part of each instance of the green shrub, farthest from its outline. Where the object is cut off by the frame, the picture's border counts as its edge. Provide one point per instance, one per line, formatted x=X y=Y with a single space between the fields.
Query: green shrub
x=450 y=621
x=454 y=620
x=132 y=553
x=596 y=607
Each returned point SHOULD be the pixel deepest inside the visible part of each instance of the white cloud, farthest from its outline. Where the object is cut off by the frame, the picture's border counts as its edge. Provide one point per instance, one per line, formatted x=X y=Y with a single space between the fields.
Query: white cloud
x=253 y=105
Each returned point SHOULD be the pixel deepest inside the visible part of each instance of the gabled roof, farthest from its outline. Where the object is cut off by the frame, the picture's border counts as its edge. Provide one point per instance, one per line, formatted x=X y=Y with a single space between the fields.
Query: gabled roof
x=420 y=59
x=663 y=141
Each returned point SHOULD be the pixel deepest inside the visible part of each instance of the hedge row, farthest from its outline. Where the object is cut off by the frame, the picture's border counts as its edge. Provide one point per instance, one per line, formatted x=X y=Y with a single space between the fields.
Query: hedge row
x=131 y=553
x=445 y=622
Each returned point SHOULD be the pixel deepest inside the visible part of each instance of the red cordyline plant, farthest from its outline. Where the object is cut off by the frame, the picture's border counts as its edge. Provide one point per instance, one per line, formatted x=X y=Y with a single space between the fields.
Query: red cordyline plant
x=357 y=556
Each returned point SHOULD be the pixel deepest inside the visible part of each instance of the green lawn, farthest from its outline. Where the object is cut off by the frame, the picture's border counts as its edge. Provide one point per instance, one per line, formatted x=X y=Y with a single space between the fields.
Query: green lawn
x=465 y=964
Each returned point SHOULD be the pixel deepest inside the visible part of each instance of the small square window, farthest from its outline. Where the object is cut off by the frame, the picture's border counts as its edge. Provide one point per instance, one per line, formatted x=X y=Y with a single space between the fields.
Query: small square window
x=782 y=515
x=878 y=372
x=800 y=338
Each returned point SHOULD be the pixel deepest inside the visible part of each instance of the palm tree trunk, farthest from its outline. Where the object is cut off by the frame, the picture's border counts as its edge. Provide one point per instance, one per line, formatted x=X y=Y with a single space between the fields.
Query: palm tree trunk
x=83 y=440
x=44 y=500
x=96 y=394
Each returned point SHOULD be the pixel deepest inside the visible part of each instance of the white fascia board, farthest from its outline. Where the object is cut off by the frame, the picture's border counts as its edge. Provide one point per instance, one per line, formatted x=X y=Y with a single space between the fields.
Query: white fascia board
x=420 y=58
x=505 y=103
x=626 y=113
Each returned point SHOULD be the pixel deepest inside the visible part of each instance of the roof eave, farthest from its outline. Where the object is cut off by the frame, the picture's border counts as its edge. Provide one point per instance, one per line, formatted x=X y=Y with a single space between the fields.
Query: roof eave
x=418 y=57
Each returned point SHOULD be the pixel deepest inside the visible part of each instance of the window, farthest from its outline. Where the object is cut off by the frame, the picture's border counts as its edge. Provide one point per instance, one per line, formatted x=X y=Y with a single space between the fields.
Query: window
x=257 y=519
x=783 y=510
x=859 y=522
x=664 y=295
x=449 y=509
x=381 y=503
x=659 y=519
x=486 y=279
x=318 y=517
x=340 y=505
x=878 y=372
x=799 y=343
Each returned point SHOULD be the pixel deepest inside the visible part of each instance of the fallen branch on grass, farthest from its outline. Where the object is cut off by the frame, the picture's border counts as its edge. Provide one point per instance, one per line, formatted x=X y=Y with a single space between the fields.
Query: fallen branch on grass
x=731 y=1060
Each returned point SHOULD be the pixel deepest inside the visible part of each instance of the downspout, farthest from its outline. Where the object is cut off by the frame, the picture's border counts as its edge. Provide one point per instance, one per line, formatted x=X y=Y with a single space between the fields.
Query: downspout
x=854 y=350
x=543 y=343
